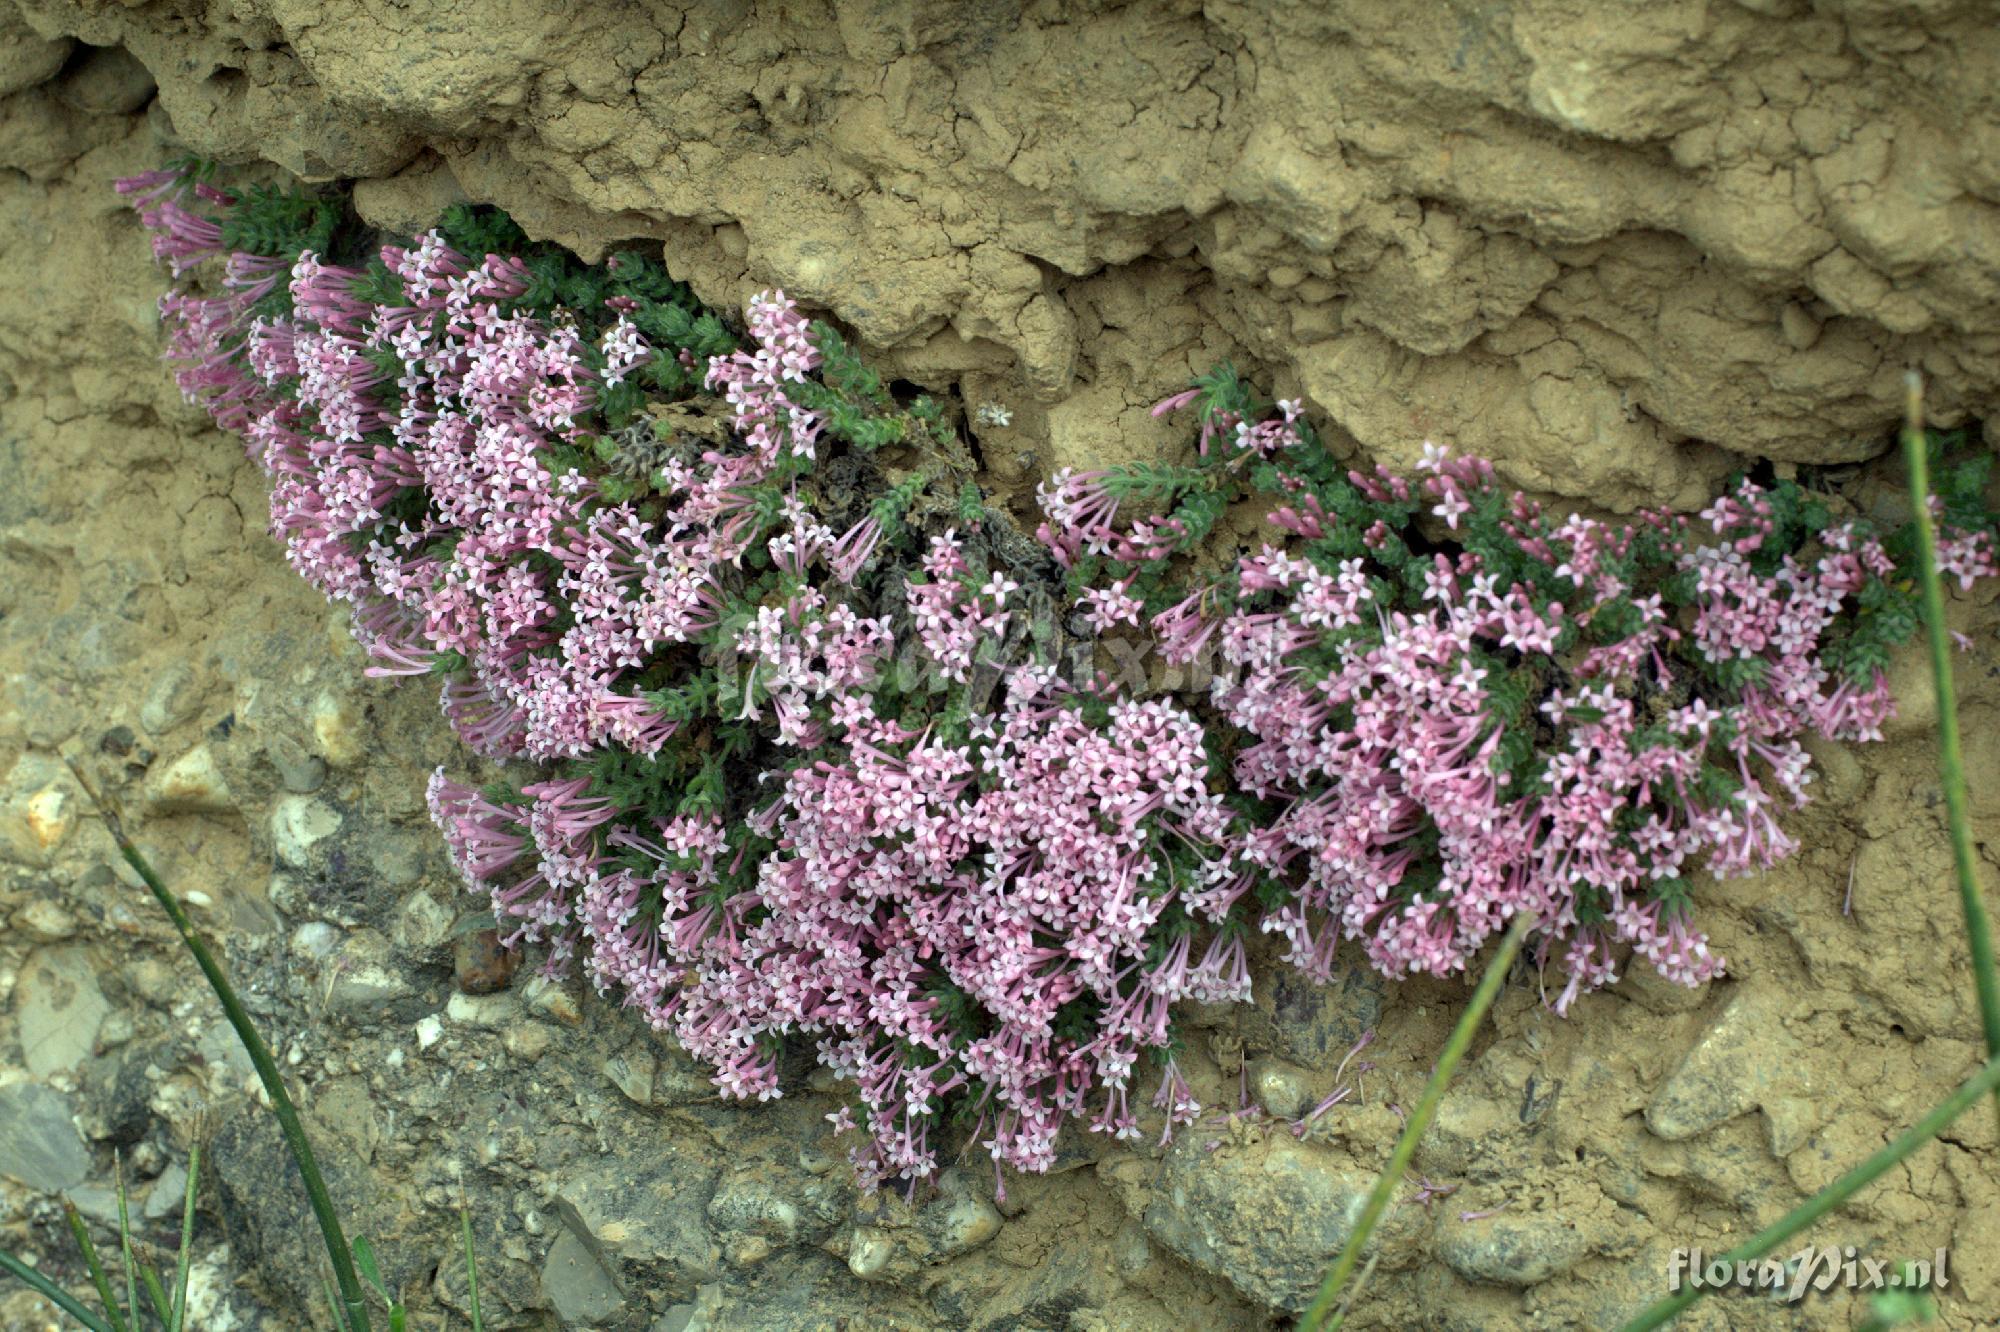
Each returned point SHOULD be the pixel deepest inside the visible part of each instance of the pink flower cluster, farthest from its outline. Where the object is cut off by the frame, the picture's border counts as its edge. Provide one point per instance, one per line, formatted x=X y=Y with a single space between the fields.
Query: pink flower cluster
x=1393 y=818
x=995 y=909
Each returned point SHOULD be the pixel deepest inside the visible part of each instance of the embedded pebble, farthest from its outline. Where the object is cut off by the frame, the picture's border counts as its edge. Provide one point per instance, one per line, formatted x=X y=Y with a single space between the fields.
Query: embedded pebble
x=298 y=823
x=38 y=1142
x=191 y=784
x=492 y=1011
x=43 y=920
x=429 y=1031
x=59 y=1008
x=868 y=1252
x=1512 y=1249
x=314 y=939
x=632 y=1073
x=1744 y=1057
x=1280 y=1088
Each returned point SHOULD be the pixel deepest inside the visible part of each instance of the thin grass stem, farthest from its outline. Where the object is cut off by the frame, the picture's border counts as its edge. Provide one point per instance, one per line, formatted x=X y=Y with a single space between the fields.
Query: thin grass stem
x=337 y=1250
x=1978 y=930
x=51 y=1292
x=1317 y=1314
x=471 y=1267
x=81 y=1232
x=183 y=1262
x=125 y=1244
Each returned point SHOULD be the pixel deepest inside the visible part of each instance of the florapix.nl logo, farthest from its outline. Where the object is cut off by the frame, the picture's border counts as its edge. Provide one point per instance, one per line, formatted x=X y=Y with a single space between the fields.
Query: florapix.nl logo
x=1813 y=1268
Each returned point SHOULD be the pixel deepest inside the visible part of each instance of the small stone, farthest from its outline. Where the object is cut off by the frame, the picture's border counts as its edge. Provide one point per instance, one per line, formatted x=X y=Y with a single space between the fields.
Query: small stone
x=430 y=1030
x=99 y=1202
x=1268 y=1214
x=288 y=895
x=422 y=923
x=529 y=1040
x=1512 y=1249
x=115 y=1031
x=298 y=823
x=172 y=700
x=44 y=920
x=1800 y=329
x=868 y=1252
x=50 y=816
x=964 y=1225
x=495 y=1012
x=1743 y=1058
x=362 y=978
x=551 y=1000
x=59 y=1008
x=191 y=784
x=38 y=808
x=299 y=771
x=576 y=1284
x=169 y=1195
x=314 y=940
x=1280 y=1088
x=38 y=1142
x=747 y=1203
x=336 y=724
x=632 y=1073
x=480 y=965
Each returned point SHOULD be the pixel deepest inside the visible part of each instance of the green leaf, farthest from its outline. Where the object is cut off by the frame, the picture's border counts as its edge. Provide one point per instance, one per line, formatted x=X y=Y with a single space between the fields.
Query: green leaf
x=364 y=1261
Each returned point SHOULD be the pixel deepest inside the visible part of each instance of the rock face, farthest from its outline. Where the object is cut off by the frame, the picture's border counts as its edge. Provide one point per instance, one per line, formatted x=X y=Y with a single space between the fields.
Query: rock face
x=1619 y=247
x=1270 y=1215
x=38 y=1143
x=1601 y=244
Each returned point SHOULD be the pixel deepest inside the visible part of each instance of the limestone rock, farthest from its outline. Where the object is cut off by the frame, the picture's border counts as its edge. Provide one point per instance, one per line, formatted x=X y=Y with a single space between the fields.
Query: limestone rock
x=38 y=1144
x=1743 y=1057
x=1269 y=1215
x=60 y=1007
x=191 y=784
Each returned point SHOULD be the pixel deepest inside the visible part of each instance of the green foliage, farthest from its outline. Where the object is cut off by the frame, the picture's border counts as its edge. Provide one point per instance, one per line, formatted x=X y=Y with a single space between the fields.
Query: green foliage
x=280 y=223
x=478 y=230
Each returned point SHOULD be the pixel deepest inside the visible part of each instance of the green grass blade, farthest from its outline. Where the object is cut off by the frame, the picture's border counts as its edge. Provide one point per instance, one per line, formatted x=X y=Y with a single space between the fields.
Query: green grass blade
x=51 y=1292
x=1833 y=1195
x=371 y=1272
x=1978 y=930
x=97 y=1277
x=1316 y=1316
x=332 y=1300
x=287 y=1114
x=471 y=1266
x=183 y=1262
x=156 y=1293
x=125 y=1245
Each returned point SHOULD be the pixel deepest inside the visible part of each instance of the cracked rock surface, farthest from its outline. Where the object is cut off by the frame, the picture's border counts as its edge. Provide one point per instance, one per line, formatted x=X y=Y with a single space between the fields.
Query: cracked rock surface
x=1621 y=249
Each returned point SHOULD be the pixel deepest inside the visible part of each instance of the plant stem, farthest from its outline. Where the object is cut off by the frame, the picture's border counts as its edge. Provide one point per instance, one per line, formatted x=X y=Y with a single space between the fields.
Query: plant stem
x=51 y=1292
x=125 y=1248
x=1978 y=931
x=1833 y=1195
x=103 y=1283
x=181 y=1265
x=260 y=1057
x=1420 y=1118
x=471 y=1265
